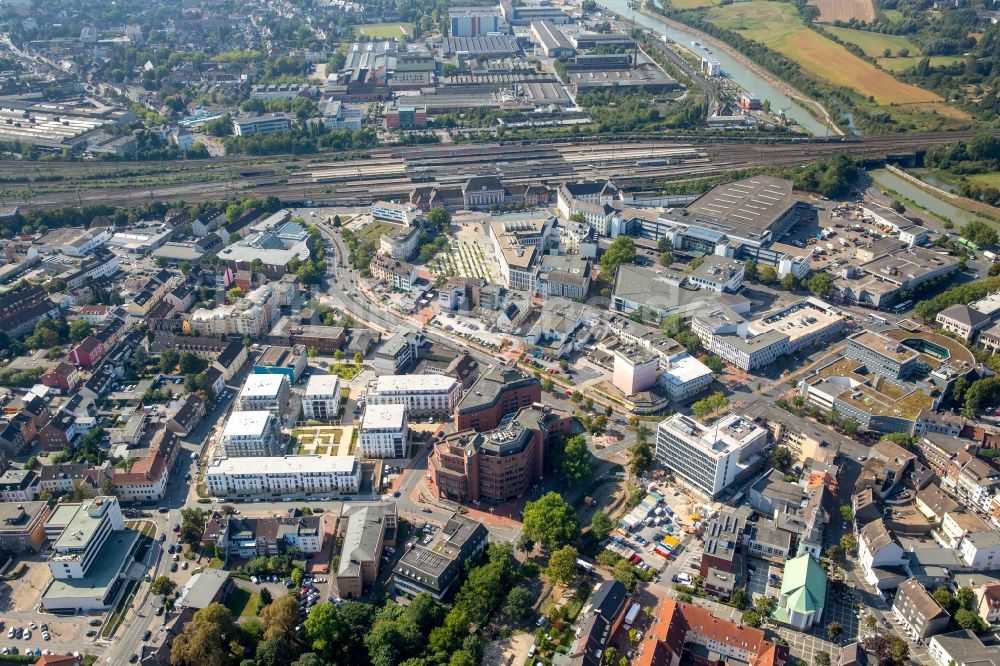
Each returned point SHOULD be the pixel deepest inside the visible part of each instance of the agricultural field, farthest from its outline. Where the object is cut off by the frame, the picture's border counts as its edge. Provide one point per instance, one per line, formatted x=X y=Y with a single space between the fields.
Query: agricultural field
x=693 y=4
x=384 y=30
x=875 y=44
x=778 y=26
x=844 y=10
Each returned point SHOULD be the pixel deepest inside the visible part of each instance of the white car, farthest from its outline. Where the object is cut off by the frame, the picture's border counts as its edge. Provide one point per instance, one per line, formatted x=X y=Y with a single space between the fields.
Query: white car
x=27 y=635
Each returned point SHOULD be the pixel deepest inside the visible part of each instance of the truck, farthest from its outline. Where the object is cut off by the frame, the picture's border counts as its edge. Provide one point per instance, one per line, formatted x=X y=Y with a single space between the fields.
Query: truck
x=661 y=551
x=989 y=255
x=631 y=615
x=670 y=541
x=829 y=246
x=843 y=243
x=670 y=512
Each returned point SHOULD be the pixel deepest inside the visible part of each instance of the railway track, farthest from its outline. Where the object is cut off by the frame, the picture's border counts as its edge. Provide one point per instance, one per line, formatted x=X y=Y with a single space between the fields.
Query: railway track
x=388 y=172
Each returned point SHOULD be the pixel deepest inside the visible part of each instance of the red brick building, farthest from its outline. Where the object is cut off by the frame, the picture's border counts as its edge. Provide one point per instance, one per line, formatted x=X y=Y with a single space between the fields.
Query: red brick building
x=498 y=465
x=500 y=391
x=62 y=376
x=88 y=353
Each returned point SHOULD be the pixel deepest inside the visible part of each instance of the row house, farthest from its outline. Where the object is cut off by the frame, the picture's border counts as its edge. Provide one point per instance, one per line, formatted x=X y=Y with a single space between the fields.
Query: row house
x=973 y=480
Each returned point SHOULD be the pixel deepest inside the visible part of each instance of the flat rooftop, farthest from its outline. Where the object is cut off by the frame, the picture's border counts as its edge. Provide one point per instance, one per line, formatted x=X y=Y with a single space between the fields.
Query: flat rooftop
x=246 y=424
x=412 y=384
x=322 y=385
x=383 y=417
x=718 y=440
x=82 y=525
x=906 y=265
x=264 y=465
x=799 y=320
x=757 y=202
x=263 y=386
x=103 y=573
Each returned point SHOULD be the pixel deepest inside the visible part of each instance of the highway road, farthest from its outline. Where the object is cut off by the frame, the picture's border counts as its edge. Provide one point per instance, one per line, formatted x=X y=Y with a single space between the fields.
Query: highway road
x=344 y=178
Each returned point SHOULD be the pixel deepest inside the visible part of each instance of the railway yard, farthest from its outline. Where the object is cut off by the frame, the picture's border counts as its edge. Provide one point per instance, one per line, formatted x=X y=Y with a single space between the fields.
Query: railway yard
x=392 y=173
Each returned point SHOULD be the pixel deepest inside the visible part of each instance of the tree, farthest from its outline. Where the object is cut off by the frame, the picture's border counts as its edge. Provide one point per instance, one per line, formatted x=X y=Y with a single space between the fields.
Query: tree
x=280 y=618
x=846 y=513
x=966 y=598
x=339 y=634
x=621 y=250
x=820 y=284
x=547 y=384
x=767 y=275
x=642 y=458
x=886 y=53
x=888 y=649
x=235 y=294
x=790 y=282
x=969 y=619
x=550 y=521
x=163 y=586
x=192 y=525
x=191 y=364
x=440 y=219
x=943 y=596
x=309 y=659
x=562 y=565
x=765 y=606
x=273 y=652
x=624 y=573
x=672 y=325
x=185 y=267
x=781 y=458
x=79 y=329
x=574 y=461
x=601 y=525
x=257 y=265
x=738 y=599
x=980 y=232
x=205 y=639
x=821 y=659
x=715 y=364
x=520 y=601
x=849 y=543
x=751 y=618
x=833 y=630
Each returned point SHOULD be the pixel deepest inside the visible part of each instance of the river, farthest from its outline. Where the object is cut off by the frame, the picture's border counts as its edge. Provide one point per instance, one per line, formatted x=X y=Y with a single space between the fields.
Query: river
x=927 y=201
x=749 y=81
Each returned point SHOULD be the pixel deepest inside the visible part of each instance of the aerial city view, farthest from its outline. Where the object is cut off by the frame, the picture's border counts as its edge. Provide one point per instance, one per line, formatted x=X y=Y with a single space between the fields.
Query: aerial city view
x=500 y=332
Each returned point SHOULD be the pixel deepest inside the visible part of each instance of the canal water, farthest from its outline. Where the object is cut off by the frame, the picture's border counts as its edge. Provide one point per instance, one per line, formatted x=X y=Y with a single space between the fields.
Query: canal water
x=959 y=216
x=749 y=81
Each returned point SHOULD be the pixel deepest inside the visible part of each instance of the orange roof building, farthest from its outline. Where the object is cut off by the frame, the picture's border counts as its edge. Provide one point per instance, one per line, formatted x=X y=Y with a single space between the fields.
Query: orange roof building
x=682 y=628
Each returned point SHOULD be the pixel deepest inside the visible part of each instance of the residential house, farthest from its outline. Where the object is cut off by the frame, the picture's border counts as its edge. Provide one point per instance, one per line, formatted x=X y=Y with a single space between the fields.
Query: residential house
x=878 y=552
x=917 y=611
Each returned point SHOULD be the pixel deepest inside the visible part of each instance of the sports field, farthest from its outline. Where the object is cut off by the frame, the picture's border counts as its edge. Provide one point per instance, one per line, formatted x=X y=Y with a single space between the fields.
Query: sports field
x=385 y=30
x=778 y=26
x=844 y=10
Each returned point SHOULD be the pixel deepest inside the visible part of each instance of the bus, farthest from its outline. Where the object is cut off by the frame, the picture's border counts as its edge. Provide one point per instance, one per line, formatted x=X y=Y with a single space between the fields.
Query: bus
x=902 y=307
x=878 y=320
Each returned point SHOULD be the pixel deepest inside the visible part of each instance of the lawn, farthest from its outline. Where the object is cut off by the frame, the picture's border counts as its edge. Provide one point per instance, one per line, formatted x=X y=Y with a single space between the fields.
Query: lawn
x=892 y=15
x=778 y=26
x=385 y=30
x=242 y=602
x=873 y=43
x=991 y=179
x=375 y=229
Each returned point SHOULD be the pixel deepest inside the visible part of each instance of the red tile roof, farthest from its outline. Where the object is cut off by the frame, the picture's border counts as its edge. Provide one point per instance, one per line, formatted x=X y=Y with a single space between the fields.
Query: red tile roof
x=675 y=621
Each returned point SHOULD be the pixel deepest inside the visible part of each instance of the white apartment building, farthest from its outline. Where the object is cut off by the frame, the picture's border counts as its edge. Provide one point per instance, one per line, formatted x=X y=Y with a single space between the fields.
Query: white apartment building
x=263 y=392
x=261 y=123
x=87 y=527
x=383 y=432
x=321 y=400
x=423 y=395
x=250 y=316
x=710 y=458
x=283 y=474
x=394 y=212
x=251 y=434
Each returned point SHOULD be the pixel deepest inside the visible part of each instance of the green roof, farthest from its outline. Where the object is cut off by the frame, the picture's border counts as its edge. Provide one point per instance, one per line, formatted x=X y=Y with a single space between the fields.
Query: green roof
x=803 y=588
